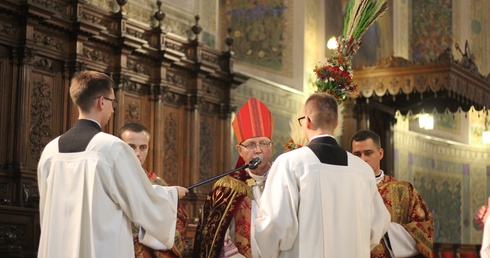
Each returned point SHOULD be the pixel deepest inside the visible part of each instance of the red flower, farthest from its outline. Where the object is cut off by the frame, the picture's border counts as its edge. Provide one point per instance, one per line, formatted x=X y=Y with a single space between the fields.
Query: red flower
x=290 y=145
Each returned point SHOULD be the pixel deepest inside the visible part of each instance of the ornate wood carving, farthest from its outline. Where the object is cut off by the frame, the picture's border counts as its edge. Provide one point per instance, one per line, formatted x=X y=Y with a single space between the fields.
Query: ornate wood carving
x=11 y=233
x=206 y=151
x=44 y=64
x=170 y=146
x=193 y=102
x=8 y=29
x=4 y=194
x=133 y=112
x=28 y=55
x=40 y=131
x=52 y=5
x=178 y=80
x=87 y=16
x=173 y=98
x=96 y=55
x=456 y=84
x=47 y=41
x=163 y=81
x=226 y=110
x=138 y=67
x=30 y=196
x=212 y=91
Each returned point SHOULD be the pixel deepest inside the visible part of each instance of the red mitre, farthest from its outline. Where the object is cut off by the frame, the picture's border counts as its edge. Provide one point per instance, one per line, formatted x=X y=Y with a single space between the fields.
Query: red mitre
x=252 y=120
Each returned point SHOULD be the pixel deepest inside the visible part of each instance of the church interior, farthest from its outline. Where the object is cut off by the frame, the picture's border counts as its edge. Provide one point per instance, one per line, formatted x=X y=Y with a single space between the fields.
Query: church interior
x=183 y=68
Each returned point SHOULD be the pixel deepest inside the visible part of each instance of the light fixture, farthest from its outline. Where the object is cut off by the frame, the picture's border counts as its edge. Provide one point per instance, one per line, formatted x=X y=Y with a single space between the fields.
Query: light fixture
x=486 y=134
x=426 y=121
x=486 y=137
x=332 y=43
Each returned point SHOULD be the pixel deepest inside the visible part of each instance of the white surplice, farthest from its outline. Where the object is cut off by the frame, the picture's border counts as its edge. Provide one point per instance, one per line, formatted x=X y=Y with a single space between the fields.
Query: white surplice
x=311 y=209
x=88 y=200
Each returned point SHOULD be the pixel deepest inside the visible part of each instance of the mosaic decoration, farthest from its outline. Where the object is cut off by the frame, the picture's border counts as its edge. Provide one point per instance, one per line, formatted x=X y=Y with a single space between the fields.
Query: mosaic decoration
x=446 y=211
x=260 y=30
x=452 y=188
x=431 y=29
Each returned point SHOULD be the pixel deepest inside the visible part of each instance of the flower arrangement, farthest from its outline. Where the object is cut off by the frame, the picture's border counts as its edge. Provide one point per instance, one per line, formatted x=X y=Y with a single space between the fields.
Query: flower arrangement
x=336 y=76
x=291 y=145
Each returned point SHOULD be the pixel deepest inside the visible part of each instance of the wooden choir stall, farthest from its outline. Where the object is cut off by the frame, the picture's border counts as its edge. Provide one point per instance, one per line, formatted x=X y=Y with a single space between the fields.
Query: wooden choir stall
x=178 y=88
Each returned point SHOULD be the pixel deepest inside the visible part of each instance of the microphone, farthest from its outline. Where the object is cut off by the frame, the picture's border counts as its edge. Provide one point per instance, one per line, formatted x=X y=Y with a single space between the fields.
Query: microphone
x=253 y=164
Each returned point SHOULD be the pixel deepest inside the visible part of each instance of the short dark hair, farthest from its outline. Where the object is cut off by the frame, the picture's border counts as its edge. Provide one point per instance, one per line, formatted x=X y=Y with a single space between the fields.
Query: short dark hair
x=322 y=108
x=87 y=85
x=134 y=127
x=366 y=134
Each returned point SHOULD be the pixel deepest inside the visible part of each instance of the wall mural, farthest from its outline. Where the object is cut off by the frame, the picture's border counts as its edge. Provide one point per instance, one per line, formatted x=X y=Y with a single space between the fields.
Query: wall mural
x=261 y=32
x=434 y=183
x=452 y=187
x=431 y=29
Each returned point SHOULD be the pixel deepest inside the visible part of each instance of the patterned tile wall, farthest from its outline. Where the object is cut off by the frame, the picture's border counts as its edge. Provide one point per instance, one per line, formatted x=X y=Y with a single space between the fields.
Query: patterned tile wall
x=451 y=177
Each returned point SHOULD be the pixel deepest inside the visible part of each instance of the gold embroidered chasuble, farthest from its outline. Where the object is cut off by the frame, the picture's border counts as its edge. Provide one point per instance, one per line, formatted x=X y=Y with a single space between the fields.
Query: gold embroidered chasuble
x=231 y=198
x=408 y=209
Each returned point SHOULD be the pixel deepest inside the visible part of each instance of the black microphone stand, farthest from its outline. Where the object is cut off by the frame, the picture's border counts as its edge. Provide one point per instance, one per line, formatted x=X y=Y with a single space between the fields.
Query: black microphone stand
x=218 y=176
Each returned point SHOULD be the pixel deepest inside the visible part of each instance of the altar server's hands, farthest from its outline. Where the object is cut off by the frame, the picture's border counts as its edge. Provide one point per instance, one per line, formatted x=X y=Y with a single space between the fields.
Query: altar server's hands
x=182 y=191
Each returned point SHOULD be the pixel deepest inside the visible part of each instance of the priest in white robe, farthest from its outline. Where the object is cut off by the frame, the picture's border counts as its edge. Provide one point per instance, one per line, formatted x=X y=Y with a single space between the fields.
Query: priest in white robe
x=319 y=200
x=92 y=185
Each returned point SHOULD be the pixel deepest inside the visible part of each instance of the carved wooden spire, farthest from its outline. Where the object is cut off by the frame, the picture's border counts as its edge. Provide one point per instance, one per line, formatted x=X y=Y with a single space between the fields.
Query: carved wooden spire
x=197 y=28
x=159 y=15
x=229 y=40
x=121 y=3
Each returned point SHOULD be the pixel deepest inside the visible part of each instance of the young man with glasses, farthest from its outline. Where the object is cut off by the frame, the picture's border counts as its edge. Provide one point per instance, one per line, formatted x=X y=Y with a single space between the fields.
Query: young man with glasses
x=225 y=227
x=320 y=200
x=91 y=184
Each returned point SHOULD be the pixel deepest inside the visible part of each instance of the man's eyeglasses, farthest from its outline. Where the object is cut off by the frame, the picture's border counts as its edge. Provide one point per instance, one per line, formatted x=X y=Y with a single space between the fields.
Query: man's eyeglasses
x=114 y=101
x=252 y=146
x=299 y=120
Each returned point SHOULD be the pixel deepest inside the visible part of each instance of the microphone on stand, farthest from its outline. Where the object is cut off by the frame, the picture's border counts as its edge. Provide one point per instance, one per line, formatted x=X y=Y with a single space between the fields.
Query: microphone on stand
x=253 y=164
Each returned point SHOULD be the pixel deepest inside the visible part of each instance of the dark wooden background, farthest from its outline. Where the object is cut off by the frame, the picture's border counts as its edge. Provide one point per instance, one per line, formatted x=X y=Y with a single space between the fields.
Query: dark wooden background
x=178 y=88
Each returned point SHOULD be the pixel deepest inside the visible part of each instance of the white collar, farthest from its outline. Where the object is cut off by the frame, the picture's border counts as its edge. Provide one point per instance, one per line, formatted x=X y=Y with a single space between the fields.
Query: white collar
x=321 y=135
x=258 y=178
x=380 y=176
x=93 y=121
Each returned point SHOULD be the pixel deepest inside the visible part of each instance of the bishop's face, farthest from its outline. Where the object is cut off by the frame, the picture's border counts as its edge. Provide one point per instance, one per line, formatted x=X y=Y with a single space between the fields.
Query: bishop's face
x=257 y=146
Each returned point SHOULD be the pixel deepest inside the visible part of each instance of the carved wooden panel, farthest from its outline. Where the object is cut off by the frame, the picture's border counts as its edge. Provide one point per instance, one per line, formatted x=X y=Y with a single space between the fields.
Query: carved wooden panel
x=135 y=109
x=46 y=95
x=178 y=89
x=5 y=108
x=206 y=149
x=173 y=146
x=218 y=131
x=9 y=28
x=28 y=186
x=6 y=188
x=19 y=226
